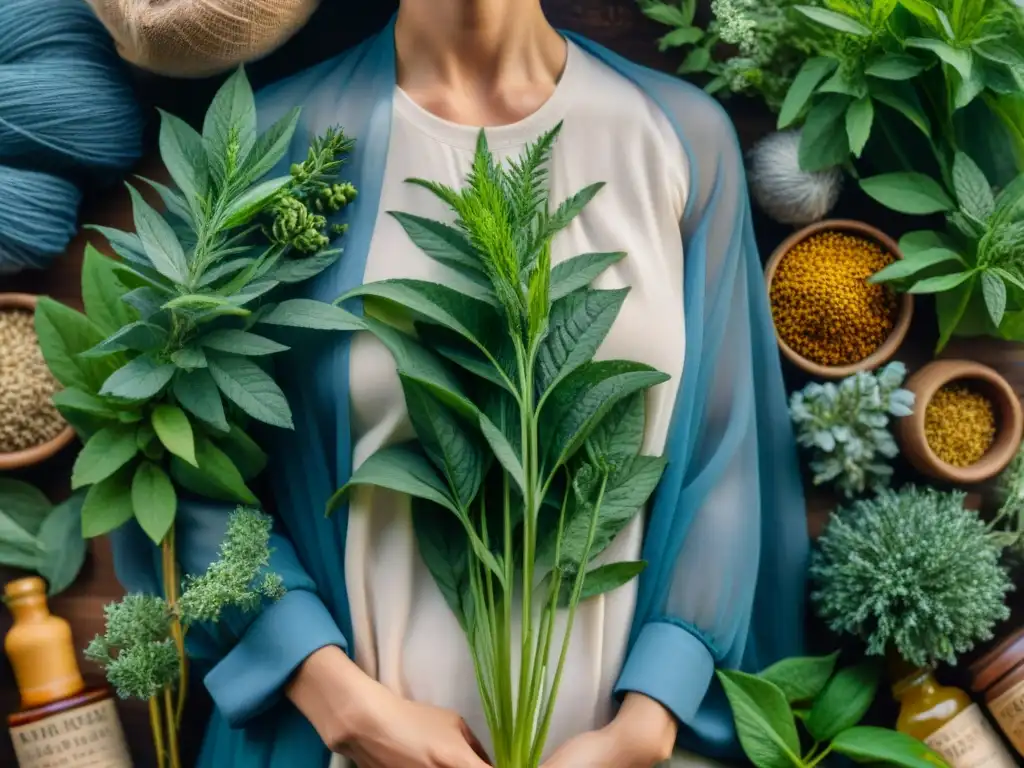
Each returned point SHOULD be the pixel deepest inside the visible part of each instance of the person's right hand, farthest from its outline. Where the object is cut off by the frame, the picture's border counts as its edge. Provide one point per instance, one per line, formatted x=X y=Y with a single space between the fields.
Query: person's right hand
x=361 y=719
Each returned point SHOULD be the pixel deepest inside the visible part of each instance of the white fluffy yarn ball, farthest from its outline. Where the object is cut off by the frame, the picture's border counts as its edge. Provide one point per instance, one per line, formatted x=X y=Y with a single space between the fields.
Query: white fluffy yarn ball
x=782 y=189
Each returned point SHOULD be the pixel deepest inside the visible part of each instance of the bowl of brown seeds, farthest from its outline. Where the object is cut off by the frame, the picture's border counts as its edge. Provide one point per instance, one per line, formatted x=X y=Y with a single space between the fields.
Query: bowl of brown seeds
x=31 y=428
x=966 y=425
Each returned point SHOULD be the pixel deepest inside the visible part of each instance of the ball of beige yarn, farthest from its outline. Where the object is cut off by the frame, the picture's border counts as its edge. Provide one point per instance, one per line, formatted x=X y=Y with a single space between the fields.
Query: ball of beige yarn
x=197 y=38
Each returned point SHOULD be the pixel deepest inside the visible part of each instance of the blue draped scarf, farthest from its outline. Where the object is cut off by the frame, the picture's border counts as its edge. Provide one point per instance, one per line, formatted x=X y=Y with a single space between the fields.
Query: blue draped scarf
x=726 y=535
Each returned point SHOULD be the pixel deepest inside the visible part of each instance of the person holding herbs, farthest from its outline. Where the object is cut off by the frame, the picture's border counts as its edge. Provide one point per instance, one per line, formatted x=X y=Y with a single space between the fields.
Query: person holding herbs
x=362 y=657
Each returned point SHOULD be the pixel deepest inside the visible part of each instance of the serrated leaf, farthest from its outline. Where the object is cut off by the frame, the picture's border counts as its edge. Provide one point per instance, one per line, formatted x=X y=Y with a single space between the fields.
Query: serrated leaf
x=811 y=74
x=764 y=721
x=867 y=744
x=973 y=192
x=141 y=379
x=237 y=342
x=400 y=469
x=231 y=116
x=154 y=501
x=271 y=146
x=107 y=505
x=177 y=207
x=833 y=20
x=250 y=388
x=308 y=313
x=913 y=193
x=609 y=577
x=504 y=452
x=102 y=292
x=198 y=394
x=579 y=271
x=299 y=269
x=915 y=262
x=896 y=66
x=246 y=206
x=844 y=701
x=175 y=431
x=181 y=149
x=823 y=141
x=620 y=434
x=60 y=538
x=801 y=678
x=162 y=247
x=103 y=454
x=444 y=244
x=444 y=547
x=993 y=291
x=859 y=117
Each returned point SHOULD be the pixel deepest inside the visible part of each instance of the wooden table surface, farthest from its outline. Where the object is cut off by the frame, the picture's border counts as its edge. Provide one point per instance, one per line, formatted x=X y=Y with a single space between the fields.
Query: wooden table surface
x=614 y=23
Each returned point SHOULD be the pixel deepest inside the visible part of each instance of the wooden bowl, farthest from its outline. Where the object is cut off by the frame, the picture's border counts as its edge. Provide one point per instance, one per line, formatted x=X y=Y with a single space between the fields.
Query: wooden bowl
x=906 y=306
x=37 y=453
x=1009 y=421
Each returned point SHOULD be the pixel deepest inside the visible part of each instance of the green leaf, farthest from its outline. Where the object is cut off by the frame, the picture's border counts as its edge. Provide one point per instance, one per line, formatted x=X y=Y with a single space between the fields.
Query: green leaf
x=230 y=124
x=668 y=15
x=993 y=290
x=60 y=538
x=859 y=117
x=844 y=701
x=250 y=388
x=583 y=398
x=181 y=149
x=833 y=20
x=896 y=66
x=454 y=451
x=138 y=336
x=140 y=379
x=609 y=577
x=801 y=678
x=189 y=358
x=271 y=146
x=18 y=547
x=924 y=240
x=915 y=262
x=237 y=342
x=577 y=325
x=620 y=434
x=960 y=59
x=939 y=284
x=1001 y=52
x=579 y=271
x=400 y=469
x=680 y=37
x=127 y=245
x=217 y=477
x=299 y=269
x=63 y=335
x=913 y=193
x=972 y=188
x=107 y=505
x=902 y=98
x=308 y=313
x=103 y=454
x=866 y=744
x=154 y=501
x=162 y=247
x=968 y=88
x=102 y=292
x=504 y=452
x=198 y=302
x=764 y=721
x=847 y=82
x=1009 y=204
x=177 y=207
x=804 y=84
x=77 y=401
x=823 y=141
x=253 y=201
x=697 y=60
x=23 y=504
x=146 y=301
x=923 y=10
x=950 y=307
x=244 y=452
x=197 y=393
x=444 y=244
x=444 y=547
x=175 y=432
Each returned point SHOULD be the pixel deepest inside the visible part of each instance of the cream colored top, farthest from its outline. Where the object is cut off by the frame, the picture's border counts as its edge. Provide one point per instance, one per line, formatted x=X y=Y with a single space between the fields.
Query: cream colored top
x=405 y=636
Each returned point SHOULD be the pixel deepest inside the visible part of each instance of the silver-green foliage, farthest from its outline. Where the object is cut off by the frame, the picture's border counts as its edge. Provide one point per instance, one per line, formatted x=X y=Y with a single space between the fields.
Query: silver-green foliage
x=37 y=536
x=528 y=453
x=166 y=366
x=912 y=572
x=137 y=649
x=845 y=427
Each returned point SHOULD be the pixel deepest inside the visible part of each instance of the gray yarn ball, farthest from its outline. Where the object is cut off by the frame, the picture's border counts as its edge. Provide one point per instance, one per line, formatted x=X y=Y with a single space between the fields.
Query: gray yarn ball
x=782 y=189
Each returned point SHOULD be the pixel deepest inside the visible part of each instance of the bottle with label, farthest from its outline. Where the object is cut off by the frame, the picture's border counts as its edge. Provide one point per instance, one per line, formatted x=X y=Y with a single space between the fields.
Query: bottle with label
x=61 y=723
x=999 y=677
x=947 y=720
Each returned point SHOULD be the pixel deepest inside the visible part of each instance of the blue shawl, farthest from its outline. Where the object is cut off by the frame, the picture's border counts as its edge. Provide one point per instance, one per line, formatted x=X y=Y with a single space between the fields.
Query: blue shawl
x=726 y=533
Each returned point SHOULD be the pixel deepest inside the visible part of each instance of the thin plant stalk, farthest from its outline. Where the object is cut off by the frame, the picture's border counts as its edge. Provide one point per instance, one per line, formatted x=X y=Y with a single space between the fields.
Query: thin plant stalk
x=172 y=730
x=157 y=727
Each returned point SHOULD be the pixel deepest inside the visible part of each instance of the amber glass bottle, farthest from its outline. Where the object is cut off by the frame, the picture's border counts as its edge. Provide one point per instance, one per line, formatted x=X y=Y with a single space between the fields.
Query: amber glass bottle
x=947 y=720
x=61 y=723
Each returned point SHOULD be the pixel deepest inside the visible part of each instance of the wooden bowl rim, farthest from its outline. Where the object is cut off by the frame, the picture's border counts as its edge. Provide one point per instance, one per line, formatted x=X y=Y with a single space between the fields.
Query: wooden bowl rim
x=892 y=343
x=932 y=377
x=37 y=454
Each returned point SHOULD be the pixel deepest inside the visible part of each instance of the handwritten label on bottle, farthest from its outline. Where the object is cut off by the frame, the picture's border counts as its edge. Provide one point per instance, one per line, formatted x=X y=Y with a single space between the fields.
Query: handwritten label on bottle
x=86 y=737
x=1008 y=711
x=968 y=741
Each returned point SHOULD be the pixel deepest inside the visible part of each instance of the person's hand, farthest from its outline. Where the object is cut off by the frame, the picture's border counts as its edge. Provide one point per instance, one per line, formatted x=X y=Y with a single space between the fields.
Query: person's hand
x=641 y=736
x=361 y=719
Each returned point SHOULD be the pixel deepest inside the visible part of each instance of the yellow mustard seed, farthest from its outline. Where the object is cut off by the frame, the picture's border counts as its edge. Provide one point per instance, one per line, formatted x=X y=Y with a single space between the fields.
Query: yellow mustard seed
x=822 y=305
x=959 y=425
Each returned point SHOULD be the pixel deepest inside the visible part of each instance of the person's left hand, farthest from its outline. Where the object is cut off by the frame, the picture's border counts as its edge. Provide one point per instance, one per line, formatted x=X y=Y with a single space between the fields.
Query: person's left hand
x=641 y=736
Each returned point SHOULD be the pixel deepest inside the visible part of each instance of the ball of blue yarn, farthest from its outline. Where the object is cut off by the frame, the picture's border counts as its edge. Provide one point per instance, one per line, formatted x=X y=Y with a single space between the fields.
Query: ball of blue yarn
x=68 y=118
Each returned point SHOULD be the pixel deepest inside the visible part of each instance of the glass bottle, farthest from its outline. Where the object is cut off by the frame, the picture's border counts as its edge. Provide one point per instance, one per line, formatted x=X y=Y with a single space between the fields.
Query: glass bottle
x=61 y=723
x=947 y=720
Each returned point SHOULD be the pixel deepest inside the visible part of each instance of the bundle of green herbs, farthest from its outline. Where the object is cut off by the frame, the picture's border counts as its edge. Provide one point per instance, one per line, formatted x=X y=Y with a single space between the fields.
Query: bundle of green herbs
x=527 y=462
x=38 y=536
x=827 y=703
x=163 y=371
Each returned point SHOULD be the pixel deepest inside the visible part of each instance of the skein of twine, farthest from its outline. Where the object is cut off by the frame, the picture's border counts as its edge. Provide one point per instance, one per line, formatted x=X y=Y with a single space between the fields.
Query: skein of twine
x=68 y=117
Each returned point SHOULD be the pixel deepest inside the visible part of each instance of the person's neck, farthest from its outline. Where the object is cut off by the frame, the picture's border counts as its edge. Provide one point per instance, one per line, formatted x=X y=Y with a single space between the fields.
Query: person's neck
x=497 y=60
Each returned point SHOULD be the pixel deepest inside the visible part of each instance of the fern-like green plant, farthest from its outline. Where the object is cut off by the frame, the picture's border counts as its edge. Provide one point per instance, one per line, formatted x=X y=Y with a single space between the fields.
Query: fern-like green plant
x=911 y=571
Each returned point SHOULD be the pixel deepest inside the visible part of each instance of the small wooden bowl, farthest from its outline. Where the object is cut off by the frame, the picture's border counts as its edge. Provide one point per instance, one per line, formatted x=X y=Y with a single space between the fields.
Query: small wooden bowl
x=37 y=453
x=1009 y=421
x=906 y=307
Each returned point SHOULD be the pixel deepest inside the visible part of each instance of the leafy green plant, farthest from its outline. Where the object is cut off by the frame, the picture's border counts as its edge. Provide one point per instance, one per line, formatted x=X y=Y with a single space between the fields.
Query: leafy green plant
x=1007 y=525
x=844 y=427
x=911 y=572
x=164 y=371
x=902 y=66
x=37 y=536
x=527 y=461
x=976 y=266
x=828 y=704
